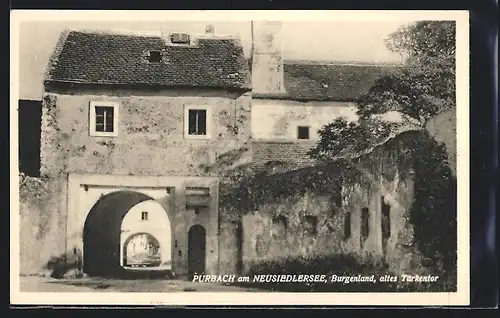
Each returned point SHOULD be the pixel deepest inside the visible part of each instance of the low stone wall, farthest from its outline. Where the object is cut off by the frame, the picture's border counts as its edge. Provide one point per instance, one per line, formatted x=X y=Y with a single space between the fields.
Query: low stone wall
x=42 y=228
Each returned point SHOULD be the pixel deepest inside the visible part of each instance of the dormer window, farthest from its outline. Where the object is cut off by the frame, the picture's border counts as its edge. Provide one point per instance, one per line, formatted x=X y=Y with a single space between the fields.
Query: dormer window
x=179 y=38
x=154 y=57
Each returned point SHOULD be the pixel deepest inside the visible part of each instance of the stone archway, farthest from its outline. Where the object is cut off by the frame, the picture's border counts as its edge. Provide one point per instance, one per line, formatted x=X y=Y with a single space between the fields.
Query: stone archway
x=101 y=232
x=141 y=250
x=146 y=224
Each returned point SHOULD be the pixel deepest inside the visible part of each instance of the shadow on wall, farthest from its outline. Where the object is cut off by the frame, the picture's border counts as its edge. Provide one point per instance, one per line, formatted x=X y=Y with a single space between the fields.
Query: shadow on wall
x=66 y=265
x=70 y=265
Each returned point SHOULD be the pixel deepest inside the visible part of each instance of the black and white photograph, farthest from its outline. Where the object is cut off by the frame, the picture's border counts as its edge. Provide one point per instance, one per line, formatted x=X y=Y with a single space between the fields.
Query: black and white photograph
x=232 y=157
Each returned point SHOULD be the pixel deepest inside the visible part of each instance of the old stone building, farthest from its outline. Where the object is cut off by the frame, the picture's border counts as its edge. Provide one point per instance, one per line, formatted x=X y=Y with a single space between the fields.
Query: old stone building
x=138 y=133
x=129 y=120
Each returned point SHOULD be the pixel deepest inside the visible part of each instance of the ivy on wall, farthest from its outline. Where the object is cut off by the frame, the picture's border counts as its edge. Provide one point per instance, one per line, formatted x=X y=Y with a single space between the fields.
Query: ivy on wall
x=247 y=190
x=31 y=188
x=433 y=212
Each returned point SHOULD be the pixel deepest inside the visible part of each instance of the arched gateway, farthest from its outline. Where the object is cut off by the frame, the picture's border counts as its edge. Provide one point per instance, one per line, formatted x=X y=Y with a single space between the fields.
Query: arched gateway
x=145 y=234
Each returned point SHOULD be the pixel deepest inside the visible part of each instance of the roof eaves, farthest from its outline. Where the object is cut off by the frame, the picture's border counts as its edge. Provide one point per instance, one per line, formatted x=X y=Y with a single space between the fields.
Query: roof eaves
x=288 y=97
x=84 y=82
x=342 y=63
x=55 y=54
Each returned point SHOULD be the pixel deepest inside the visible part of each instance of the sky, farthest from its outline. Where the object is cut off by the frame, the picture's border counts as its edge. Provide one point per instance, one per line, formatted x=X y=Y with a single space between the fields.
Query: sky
x=322 y=40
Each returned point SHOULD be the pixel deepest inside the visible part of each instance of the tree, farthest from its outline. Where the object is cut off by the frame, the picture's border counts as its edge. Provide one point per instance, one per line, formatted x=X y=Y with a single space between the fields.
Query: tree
x=420 y=88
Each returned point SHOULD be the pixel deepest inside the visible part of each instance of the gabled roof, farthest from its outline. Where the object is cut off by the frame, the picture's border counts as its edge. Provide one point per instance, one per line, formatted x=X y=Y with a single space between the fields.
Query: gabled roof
x=119 y=59
x=328 y=81
x=96 y=57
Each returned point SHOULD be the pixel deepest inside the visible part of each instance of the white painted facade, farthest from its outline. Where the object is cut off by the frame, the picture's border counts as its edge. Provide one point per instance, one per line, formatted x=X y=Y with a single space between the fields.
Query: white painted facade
x=157 y=224
x=84 y=190
x=280 y=119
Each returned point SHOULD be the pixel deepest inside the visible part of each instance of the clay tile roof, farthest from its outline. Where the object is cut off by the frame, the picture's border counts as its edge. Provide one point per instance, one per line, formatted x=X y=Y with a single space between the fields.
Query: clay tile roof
x=89 y=57
x=329 y=81
x=295 y=154
x=281 y=152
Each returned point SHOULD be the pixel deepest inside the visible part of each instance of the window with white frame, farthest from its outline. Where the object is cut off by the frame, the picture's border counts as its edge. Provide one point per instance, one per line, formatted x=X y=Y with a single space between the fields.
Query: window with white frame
x=103 y=119
x=197 y=122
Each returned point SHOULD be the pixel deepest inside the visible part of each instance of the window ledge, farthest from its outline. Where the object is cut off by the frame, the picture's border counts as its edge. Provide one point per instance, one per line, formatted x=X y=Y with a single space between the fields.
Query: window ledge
x=103 y=134
x=197 y=137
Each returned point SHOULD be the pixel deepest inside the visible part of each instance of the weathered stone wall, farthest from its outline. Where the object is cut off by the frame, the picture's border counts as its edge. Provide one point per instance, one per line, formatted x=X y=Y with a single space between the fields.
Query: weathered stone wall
x=443 y=127
x=264 y=239
x=229 y=248
x=384 y=181
x=150 y=139
x=378 y=178
x=150 y=142
x=42 y=224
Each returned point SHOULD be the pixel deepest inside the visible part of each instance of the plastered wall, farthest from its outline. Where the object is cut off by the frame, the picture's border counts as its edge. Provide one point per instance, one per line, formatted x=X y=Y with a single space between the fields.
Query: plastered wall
x=141 y=150
x=279 y=119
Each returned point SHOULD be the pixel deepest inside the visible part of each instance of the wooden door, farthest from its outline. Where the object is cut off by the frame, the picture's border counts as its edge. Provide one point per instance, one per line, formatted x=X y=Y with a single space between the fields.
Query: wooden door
x=196 y=250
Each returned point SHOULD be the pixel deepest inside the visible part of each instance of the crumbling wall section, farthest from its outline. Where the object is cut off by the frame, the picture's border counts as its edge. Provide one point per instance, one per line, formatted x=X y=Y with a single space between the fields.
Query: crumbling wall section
x=322 y=218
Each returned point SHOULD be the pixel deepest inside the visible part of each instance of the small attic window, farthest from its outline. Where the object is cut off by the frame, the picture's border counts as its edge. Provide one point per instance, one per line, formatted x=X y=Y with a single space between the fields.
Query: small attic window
x=154 y=57
x=179 y=38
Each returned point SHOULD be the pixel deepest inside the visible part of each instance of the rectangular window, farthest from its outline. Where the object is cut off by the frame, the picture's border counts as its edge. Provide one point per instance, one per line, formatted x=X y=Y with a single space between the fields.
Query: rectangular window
x=279 y=228
x=365 y=217
x=386 y=220
x=303 y=132
x=310 y=224
x=347 y=226
x=103 y=119
x=197 y=122
x=144 y=216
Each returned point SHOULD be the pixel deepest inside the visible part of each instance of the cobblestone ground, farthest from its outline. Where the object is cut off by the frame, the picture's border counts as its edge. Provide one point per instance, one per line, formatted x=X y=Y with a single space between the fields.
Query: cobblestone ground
x=44 y=284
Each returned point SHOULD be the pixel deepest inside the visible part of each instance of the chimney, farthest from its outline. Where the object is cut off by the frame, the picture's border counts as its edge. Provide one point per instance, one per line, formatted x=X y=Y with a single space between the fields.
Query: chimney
x=267 y=58
x=209 y=30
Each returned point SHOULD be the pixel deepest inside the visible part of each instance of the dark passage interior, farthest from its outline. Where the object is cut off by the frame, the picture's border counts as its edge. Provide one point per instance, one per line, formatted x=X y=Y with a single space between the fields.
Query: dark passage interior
x=101 y=233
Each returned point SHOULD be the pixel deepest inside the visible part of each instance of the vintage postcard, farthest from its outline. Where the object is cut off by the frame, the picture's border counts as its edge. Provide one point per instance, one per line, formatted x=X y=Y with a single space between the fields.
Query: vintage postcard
x=235 y=157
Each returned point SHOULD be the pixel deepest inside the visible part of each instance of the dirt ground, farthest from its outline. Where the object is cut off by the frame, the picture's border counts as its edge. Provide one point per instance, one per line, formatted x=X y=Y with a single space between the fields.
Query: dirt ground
x=45 y=284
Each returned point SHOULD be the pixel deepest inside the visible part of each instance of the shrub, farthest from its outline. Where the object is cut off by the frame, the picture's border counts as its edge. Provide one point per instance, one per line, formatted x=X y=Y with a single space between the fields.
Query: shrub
x=340 y=265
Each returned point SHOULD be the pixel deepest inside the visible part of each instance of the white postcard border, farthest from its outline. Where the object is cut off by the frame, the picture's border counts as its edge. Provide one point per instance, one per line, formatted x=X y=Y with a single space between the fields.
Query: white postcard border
x=461 y=297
